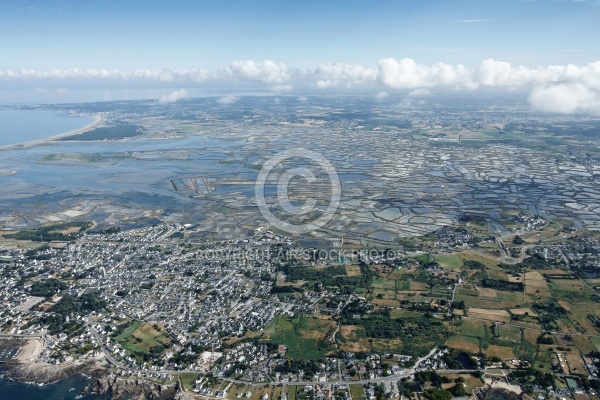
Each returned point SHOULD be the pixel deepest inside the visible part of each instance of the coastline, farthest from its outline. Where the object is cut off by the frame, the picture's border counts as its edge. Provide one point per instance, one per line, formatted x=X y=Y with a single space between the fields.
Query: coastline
x=38 y=142
x=103 y=381
x=25 y=369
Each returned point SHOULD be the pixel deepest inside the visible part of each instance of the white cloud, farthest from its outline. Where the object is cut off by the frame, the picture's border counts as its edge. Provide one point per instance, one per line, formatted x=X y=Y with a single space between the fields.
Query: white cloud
x=267 y=71
x=173 y=96
x=281 y=88
x=382 y=95
x=344 y=75
x=566 y=98
x=419 y=93
x=228 y=99
x=407 y=74
x=580 y=85
x=498 y=73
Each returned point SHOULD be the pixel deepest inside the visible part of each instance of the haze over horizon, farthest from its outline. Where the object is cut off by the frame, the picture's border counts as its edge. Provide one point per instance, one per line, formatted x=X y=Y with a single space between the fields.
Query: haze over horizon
x=72 y=51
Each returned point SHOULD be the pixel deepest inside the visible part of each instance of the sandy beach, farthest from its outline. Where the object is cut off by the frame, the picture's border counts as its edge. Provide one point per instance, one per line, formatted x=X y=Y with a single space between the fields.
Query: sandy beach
x=32 y=143
x=30 y=351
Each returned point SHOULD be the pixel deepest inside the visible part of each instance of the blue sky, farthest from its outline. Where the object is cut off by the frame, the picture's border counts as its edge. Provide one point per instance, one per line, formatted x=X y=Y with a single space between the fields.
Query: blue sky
x=299 y=36
x=184 y=34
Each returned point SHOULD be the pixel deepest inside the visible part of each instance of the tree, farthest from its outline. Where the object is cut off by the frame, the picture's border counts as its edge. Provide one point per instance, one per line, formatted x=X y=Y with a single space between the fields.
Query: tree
x=438 y=394
x=500 y=394
x=518 y=240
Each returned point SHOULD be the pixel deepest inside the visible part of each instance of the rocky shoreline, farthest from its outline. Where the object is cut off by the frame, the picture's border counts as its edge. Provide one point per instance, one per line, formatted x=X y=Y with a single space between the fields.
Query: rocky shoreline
x=105 y=382
x=141 y=389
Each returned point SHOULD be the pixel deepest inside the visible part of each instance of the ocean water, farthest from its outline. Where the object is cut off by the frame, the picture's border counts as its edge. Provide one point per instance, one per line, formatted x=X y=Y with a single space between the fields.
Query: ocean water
x=66 y=389
x=19 y=126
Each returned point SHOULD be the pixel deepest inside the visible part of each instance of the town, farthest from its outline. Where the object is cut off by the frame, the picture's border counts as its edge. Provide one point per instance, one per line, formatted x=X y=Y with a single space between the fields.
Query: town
x=262 y=312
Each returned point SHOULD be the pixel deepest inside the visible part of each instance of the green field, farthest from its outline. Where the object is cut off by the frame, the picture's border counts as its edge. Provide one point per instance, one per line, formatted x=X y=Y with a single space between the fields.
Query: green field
x=383 y=283
x=188 y=380
x=305 y=338
x=510 y=333
x=403 y=285
x=357 y=392
x=140 y=338
x=452 y=262
x=596 y=342
x=473 y=328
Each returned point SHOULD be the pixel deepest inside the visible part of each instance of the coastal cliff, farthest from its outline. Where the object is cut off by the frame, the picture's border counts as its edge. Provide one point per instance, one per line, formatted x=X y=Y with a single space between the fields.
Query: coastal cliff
x=104 y=381
x=118 y=388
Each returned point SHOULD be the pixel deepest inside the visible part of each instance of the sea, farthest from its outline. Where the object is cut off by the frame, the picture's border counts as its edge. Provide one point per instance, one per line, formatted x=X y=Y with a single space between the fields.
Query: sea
x=20 y=126
x=66 y=389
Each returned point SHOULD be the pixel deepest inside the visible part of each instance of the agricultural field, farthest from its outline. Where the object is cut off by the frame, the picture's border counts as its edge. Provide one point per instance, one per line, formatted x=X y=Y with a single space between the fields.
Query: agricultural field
x=475 y=296
x=383 y=294
x=489 y=262
x=575 y=362
x=353 y=270
x=502 y=352
x=509 y=333
x=523 y=311
x=399 y=313
x=452 y=262
x=490 y=315
x=140 y=338
x=403 y=285
x=474 y=328
x=386 y=302
x=305 y=338
x=383 y=283
x=467 y=343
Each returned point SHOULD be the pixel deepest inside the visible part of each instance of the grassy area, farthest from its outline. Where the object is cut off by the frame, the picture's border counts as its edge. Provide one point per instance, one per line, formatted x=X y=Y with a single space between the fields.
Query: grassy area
x=596 y=342
x=471 y=256
x=140 y=338
x=398 y=313
x=424 y=258
x=128 y=331
x=353 y=338
x=357 y=392
x=383 y=283
x=291 y=394
x=473 y=328
x=188 y=380
x=452 y=262
x=305 y=338
x=403 y=285
x=468 y=343
x=510 y=333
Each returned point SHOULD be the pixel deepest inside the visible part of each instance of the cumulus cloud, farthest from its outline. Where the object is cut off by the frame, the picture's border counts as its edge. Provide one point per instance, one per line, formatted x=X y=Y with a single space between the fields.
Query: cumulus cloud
x=568 y=98
x=407 y=74
x=560 y=89
x=554 y=88
x=382 y=95
x=228 y=100
x=173 y=96
x=344 y=75
x=267 y=71
x=499 y=73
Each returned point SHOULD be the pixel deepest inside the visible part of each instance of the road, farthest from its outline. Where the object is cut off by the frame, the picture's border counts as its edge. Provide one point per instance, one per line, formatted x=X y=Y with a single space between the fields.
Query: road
x=15 y=335
x=391 y=378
